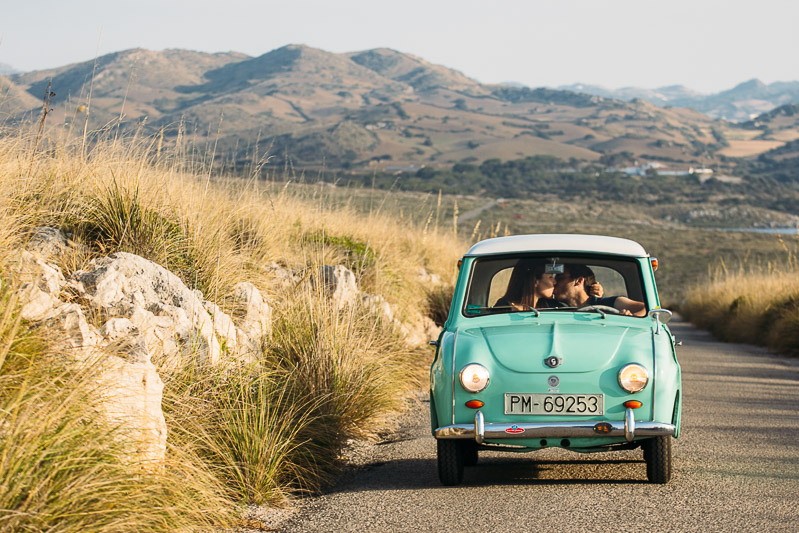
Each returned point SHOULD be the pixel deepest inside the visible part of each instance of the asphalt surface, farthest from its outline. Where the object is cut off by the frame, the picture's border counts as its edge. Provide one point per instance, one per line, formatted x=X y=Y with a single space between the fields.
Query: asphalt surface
x=736 y=467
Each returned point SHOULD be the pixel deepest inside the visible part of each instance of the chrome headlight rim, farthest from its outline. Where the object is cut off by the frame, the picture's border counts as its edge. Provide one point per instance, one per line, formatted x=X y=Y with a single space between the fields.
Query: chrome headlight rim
x=638 y=386
x=474 y=386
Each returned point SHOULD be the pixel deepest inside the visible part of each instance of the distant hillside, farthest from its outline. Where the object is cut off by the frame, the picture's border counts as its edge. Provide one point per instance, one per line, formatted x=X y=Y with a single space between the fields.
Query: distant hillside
x=781 y=162
x=739 y=104
x=416 y=72
x=375 y=109
x=661 y=96
x=15 y=99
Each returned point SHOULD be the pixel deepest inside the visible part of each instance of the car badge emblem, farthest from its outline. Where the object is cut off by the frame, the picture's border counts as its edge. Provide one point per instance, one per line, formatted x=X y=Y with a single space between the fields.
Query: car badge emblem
x=514 y=429
x=552 y=361
x=553 y=381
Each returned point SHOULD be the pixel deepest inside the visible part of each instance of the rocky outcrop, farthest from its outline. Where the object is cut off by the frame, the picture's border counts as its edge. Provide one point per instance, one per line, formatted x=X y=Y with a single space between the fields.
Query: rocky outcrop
x=257 y=320
x=339 y=284
x=431 y=280
x=139 y=311
x=131 y=386
x=282 y=276
x=47 y=242
x=341 y=287
x=175 y=321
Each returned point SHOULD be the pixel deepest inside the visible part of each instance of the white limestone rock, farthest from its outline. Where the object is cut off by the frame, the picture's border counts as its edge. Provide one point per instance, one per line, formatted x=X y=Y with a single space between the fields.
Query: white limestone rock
x=257 y=321
x=379 y=306
x=70 y=332
x=155 y=300
x=132 y=402
x=132 y=389
x=124 y=339
x=284 y=277
x=41 y=284
x=339 y=284
x=232 y=339
x=427 y=278
x=419 y=331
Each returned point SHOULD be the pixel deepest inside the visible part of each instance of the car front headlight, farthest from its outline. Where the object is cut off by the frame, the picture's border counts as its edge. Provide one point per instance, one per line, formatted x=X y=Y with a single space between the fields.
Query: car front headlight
x=474 y=377
x=633 y=378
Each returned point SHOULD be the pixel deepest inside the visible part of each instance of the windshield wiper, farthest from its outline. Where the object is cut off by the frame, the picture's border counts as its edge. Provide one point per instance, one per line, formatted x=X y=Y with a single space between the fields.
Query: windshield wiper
x=476 y=309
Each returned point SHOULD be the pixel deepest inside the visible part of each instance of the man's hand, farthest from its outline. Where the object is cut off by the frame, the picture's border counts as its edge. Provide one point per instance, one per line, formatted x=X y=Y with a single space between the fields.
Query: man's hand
x=597 y=290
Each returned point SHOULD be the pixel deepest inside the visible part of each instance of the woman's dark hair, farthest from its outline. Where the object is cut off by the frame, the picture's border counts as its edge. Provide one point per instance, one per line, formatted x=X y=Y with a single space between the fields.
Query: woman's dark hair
x=521 y=286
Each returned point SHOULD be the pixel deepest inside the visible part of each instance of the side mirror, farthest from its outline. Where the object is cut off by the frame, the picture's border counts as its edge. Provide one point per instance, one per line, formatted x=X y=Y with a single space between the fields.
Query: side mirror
x=661 y=316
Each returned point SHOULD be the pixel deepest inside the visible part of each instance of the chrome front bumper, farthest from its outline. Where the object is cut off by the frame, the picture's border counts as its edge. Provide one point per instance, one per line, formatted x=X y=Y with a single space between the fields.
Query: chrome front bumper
x=480 y=431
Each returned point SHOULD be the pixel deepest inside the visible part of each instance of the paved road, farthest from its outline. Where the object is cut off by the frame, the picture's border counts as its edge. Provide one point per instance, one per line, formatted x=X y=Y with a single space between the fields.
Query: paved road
x=736 y=468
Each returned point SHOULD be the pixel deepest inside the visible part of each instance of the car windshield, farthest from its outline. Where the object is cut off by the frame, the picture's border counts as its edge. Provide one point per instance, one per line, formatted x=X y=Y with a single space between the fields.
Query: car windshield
x=548 y=282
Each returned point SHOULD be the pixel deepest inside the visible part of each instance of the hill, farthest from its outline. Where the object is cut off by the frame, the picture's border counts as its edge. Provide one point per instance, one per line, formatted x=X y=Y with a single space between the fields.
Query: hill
x=15 y=99
x=739 y=104
x=375 y=109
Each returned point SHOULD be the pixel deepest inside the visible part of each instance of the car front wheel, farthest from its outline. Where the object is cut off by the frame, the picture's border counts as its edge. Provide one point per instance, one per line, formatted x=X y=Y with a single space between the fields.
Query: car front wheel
x=657 y=454
x=450 y=462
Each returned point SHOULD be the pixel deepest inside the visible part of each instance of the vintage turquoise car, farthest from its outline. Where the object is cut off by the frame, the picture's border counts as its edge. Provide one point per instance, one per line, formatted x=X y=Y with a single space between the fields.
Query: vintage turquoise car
x=528 y=359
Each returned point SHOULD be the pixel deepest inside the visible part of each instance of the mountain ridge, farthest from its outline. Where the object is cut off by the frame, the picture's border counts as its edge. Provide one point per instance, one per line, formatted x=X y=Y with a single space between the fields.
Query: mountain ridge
x=378 y=108
x=740 y=103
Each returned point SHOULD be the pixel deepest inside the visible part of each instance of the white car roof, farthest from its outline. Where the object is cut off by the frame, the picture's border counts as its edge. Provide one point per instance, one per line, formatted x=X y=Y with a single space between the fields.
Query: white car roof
x=558 y=243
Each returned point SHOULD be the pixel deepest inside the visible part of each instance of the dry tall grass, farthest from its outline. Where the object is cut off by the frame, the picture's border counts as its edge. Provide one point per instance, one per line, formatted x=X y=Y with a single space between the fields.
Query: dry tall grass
x=756 y=305
x=64 y=468
x=213 y=232
x=247 y=435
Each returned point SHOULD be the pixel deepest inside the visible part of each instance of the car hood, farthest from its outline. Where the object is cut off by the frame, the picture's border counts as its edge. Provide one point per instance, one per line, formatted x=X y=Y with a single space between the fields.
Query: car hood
x=581 y=347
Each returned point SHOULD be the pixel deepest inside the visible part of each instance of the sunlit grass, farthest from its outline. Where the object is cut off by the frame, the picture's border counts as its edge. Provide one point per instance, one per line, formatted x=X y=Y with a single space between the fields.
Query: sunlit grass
x=755 y=304
x=64 y=467
x=238 y=433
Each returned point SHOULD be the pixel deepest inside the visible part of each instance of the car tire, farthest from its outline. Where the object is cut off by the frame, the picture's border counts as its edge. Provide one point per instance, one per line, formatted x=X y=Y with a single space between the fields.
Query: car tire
x=470 y=456
x=657 y=454
x=450 y=462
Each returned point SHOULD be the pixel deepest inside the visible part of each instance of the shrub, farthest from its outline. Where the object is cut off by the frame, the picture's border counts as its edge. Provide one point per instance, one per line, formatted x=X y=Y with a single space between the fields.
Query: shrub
x=243 y=424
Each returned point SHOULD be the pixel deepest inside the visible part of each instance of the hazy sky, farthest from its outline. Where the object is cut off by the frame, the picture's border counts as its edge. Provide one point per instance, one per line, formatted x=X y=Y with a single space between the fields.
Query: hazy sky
x=707 y=45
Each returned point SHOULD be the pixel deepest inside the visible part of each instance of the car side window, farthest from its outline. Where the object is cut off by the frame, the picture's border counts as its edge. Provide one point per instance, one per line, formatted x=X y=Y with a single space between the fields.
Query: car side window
x=499 y=286
x=611 y=279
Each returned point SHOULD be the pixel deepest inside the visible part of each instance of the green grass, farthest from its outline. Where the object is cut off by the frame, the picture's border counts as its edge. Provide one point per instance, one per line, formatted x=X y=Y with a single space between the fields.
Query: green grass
x=244 y=426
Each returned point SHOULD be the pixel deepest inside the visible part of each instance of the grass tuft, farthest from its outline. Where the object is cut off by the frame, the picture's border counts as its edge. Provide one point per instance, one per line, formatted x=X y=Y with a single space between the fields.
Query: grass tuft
x=755 y=306
x=62 y=468
x=244 y=426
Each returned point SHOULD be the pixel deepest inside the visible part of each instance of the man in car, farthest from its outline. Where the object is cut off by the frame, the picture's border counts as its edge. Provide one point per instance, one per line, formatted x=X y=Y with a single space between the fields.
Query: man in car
x=573 y=286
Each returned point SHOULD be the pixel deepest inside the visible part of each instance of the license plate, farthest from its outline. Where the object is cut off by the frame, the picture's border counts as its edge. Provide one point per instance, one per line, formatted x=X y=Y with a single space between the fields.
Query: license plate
x=554 y=404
